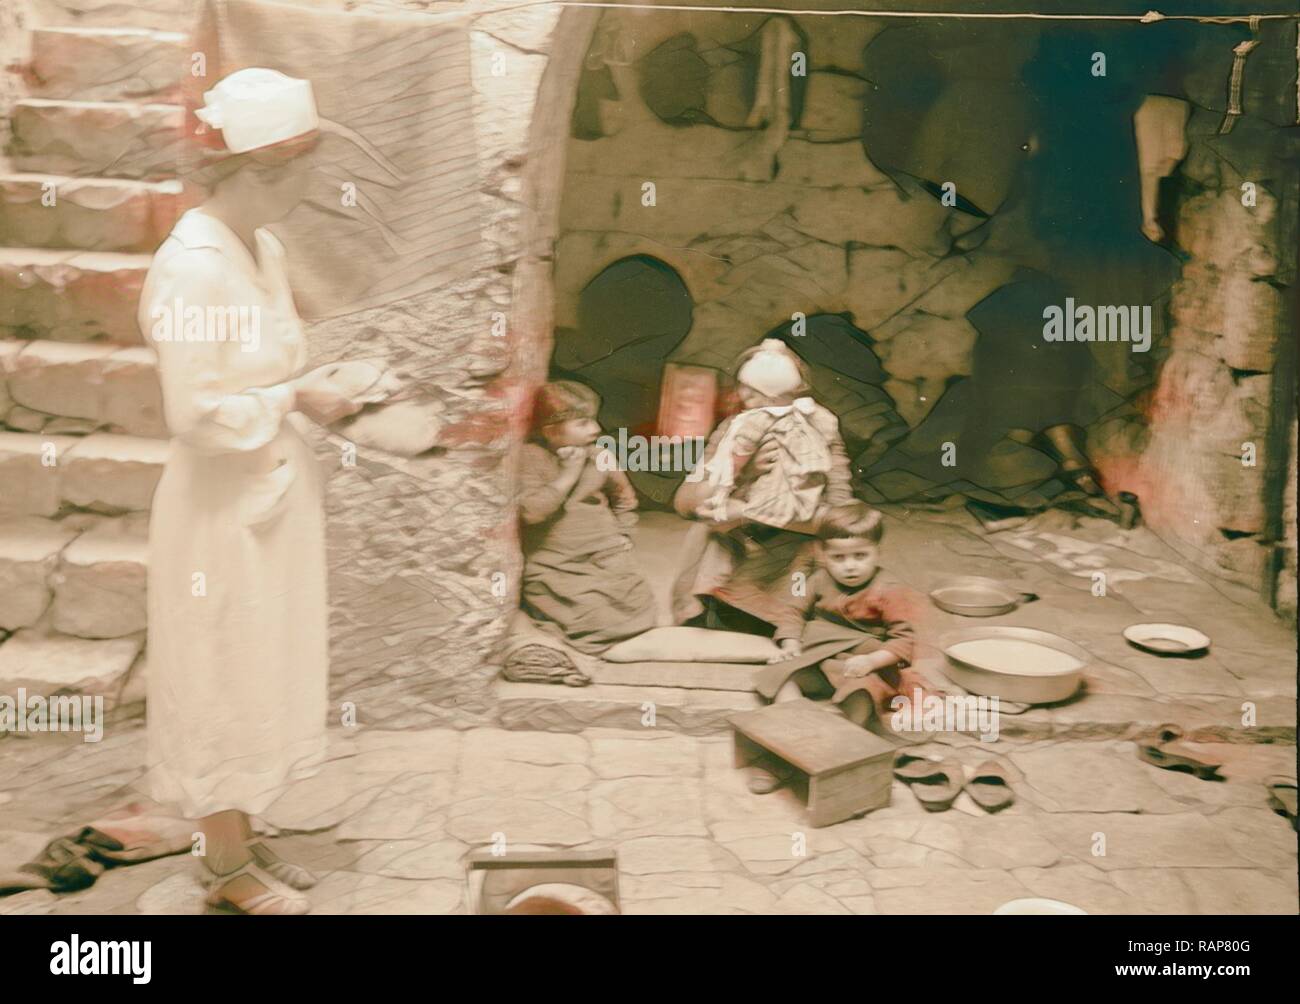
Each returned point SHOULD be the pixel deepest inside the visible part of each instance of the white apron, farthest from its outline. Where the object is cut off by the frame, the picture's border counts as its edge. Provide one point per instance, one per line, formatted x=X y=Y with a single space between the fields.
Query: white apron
x=238 y=657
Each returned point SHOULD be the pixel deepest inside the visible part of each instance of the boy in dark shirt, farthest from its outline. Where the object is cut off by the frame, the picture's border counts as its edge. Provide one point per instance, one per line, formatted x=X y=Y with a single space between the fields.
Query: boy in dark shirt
x=846 y=593
x=849 y=591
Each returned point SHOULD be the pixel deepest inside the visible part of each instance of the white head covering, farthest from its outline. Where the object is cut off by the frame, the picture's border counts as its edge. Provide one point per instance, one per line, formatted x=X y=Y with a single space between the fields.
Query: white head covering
x=257 y=107
x=772 y=370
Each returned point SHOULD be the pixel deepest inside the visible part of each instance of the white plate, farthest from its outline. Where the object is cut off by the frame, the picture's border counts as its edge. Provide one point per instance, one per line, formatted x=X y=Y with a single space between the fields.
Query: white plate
x=1167 y=639
x=1037 y=908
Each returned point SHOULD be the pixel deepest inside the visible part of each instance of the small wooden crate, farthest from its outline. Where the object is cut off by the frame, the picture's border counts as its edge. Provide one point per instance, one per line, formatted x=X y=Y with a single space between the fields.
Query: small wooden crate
x=845 y=769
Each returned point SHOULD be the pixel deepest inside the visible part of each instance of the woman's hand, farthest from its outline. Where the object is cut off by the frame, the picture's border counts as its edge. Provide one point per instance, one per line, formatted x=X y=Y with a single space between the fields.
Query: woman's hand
x=337 y=390
x=322 y=397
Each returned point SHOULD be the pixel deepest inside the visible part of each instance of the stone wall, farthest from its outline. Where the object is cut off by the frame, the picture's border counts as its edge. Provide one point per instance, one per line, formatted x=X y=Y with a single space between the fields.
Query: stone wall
x=762 y=217
x=763 y=221
x=13 y=45
x=1220 y=464
x=1285 y=590
x=422 y=554
x=760 y=220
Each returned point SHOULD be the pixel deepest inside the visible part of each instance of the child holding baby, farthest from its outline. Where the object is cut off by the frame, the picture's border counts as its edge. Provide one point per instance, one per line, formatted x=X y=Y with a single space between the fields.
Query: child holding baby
x=765 y=473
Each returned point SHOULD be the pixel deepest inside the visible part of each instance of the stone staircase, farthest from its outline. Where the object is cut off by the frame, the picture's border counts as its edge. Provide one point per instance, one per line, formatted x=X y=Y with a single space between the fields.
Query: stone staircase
x=87 y=192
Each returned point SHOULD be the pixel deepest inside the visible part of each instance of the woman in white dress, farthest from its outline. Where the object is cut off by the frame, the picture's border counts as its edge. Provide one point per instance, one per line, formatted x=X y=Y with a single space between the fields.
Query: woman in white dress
x=238 y=659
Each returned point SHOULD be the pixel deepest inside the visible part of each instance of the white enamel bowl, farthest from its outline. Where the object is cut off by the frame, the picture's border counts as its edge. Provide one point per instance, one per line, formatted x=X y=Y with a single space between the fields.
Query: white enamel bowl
x=1016 y=679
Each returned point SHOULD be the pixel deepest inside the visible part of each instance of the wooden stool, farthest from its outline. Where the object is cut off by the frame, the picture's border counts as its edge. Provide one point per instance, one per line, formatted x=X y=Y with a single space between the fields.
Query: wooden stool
x=846 y=769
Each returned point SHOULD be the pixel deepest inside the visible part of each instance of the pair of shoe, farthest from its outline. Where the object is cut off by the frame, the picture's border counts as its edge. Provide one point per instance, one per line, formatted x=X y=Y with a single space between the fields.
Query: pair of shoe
x=282 y=880
x=937 y=783
x=1160 y=747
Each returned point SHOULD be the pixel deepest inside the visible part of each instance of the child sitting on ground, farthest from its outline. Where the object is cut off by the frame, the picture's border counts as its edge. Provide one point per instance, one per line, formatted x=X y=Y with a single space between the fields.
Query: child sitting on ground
x=579 y=570
x=769 y=384
x=846 y=596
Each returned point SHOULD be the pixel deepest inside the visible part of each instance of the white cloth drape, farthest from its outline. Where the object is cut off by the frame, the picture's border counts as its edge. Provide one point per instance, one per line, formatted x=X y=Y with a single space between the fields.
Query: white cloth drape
x=238 y=658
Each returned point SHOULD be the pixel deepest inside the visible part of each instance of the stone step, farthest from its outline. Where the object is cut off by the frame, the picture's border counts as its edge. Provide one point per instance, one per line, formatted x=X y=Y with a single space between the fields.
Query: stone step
x=117 y=139
x=173 y=14
x=112 y=388
x=717 y=676
x=99 y=586
x=29 y=556
x=555 y=708
x=83 y=575
x=71 y=296
x=105 y=64
x=45 y=475
x=87 y=214
x=45 y=664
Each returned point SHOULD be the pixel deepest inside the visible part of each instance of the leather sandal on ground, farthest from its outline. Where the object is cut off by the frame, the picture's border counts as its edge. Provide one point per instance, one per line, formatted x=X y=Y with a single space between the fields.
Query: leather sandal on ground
x=1282 y=796
x=1160 y=747
x=65 y=865
x=990 y=788
x=277 y=900
x=940 y=789
x=292 y=875
x=910 y=767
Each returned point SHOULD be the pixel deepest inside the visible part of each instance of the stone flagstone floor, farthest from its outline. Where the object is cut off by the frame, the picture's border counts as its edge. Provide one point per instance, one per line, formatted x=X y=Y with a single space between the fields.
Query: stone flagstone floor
x=389 y=820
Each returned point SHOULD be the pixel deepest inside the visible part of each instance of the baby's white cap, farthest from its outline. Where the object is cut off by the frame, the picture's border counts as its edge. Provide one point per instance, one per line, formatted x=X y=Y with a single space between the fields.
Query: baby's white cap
x=772 y=370
x=258 y=107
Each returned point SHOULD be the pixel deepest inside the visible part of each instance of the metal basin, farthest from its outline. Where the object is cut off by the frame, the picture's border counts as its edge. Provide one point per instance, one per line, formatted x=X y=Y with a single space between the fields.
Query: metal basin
x=976 y=596
x=1010 y=670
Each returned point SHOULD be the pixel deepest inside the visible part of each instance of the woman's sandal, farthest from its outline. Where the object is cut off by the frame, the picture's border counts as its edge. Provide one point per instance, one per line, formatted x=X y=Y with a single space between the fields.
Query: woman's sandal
x=292 y=875
x=278 y=900
x=1161 y=748
x=990 y=788
x=1282 y=796
x=940 y=788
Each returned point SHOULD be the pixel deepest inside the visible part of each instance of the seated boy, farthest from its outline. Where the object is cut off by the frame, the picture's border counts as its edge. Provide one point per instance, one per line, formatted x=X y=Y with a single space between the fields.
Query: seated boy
x=846 y=595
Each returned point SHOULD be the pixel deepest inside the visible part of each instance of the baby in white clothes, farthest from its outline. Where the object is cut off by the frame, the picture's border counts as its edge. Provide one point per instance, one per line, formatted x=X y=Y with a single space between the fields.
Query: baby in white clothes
x=770 y=386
